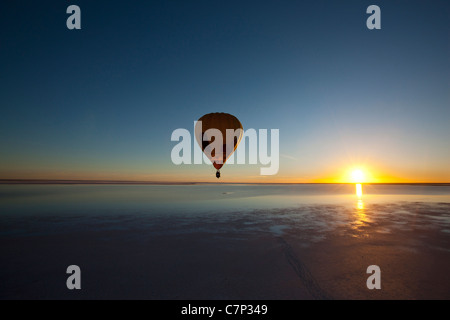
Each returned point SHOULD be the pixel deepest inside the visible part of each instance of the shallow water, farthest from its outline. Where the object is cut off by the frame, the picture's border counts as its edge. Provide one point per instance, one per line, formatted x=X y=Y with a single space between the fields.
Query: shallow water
x=224 y=241
x=148 y=199
x=40 y=209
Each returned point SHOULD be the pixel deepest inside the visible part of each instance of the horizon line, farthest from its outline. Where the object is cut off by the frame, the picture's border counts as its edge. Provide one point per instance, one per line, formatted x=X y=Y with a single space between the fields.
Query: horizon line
x=140 y=182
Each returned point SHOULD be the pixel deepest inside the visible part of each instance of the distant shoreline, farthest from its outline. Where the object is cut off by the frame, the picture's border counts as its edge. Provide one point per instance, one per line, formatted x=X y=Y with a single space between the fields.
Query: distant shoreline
x=130 y=182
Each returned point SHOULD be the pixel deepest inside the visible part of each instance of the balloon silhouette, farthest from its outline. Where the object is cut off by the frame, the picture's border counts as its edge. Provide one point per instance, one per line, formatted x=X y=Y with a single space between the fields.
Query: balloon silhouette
x=207 y=131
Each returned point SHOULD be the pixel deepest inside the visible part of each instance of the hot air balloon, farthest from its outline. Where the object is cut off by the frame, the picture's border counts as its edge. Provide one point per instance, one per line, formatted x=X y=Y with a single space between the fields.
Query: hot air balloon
x=205 y=137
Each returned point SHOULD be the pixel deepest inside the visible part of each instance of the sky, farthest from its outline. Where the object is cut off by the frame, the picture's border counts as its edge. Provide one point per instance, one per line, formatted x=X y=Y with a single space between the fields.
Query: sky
x=102 y=102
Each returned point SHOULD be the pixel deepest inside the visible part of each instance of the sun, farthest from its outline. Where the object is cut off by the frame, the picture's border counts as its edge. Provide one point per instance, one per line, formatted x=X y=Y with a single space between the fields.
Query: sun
x=358 y=176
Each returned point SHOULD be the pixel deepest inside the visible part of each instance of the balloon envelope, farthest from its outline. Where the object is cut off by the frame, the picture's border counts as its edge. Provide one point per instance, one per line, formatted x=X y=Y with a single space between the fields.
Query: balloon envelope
x=207 y=130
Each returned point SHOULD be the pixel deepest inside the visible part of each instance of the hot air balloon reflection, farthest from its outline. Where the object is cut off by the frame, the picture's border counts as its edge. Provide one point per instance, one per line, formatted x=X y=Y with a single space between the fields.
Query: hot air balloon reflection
x=205 y=137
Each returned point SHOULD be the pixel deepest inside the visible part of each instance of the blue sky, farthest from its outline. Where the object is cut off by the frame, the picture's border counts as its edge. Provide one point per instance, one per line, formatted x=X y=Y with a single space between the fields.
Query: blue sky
x=102 y=102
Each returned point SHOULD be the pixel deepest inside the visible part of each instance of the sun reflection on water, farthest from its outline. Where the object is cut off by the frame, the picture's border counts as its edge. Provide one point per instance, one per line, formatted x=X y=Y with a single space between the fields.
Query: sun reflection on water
x=359 y=190
x=360 y=205
x=360 y=216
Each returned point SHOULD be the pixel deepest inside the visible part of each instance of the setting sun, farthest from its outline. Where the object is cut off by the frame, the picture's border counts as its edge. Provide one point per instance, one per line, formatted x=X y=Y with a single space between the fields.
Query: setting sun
x=358 y=173
x=358 y=176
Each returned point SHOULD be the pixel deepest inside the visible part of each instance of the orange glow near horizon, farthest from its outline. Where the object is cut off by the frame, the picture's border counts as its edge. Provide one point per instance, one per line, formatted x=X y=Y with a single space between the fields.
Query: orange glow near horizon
x=347 y=172
x=355 y=174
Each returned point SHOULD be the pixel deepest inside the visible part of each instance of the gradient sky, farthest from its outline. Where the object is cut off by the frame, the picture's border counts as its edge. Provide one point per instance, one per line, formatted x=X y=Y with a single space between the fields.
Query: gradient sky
x=102 y=102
